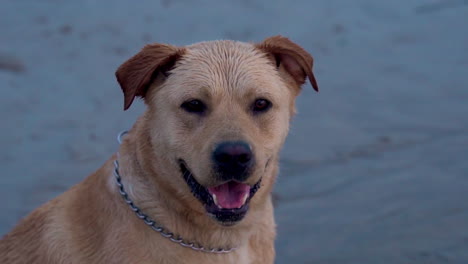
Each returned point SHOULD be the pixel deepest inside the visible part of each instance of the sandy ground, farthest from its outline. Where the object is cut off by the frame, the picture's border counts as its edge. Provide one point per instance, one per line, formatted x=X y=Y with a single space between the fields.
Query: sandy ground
x=375 y=169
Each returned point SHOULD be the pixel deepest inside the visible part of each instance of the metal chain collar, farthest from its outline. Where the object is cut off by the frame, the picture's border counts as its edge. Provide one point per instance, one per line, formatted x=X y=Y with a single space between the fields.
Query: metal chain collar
x=151 y=223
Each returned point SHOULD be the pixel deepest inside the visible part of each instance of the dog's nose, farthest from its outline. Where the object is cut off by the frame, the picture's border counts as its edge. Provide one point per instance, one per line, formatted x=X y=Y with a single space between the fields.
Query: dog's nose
x=233 y=160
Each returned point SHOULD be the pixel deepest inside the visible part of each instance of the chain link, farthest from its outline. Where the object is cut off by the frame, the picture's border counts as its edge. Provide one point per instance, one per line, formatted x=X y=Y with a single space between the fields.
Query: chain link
x=151 y=223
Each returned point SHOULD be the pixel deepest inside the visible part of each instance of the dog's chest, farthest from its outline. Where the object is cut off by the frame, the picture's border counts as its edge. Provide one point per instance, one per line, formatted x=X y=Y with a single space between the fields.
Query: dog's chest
x=240 y=256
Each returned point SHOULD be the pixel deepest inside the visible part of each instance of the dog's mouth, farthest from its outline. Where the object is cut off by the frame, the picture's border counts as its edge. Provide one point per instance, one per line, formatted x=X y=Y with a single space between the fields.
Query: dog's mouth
x=228 y=203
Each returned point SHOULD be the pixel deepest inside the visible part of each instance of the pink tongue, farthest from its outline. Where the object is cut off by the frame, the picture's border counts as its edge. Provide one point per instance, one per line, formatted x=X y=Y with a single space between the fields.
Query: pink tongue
x=230 y=195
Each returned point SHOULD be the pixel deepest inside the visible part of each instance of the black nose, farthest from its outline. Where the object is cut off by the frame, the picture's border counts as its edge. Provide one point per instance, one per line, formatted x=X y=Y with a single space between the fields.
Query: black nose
x=233 y=159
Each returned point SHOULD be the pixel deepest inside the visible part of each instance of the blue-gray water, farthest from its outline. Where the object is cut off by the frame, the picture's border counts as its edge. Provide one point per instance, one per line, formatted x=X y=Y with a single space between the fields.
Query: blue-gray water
x=375 y=169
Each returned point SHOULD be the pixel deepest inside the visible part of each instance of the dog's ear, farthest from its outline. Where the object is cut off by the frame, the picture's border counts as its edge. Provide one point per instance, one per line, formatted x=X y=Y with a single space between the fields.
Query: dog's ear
x=294 y=59
x=137 y=73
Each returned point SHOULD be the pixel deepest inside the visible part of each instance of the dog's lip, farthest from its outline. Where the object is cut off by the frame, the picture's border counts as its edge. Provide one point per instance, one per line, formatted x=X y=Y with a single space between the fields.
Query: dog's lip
x=206 y=198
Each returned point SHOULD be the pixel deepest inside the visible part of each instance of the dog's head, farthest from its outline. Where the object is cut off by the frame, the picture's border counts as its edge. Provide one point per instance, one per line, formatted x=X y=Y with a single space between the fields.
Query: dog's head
x=218 y=113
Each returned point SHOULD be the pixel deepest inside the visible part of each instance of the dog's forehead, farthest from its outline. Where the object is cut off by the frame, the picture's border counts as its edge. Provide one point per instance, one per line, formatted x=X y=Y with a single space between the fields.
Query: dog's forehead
x=225 y=66
x=222 y=51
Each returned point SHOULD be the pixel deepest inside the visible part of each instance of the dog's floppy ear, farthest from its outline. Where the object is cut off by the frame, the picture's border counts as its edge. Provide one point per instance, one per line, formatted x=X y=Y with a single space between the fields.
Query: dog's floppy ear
x=136 y=74
x=295 y=60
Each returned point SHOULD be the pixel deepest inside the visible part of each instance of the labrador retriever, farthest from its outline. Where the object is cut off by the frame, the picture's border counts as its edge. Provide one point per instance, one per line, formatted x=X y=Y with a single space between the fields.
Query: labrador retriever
x=192 y=179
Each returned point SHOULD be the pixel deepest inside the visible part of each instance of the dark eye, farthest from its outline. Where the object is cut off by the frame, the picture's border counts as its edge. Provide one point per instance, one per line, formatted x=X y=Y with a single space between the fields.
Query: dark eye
x=194 y=106
x=261 y=105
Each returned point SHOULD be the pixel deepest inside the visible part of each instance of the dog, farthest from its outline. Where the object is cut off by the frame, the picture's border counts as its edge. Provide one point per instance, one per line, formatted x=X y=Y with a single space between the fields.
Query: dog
x=192 y=179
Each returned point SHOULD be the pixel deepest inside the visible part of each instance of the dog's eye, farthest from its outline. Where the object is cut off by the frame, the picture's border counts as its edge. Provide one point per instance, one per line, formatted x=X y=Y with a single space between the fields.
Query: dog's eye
x=194 y=106
x=261 y=105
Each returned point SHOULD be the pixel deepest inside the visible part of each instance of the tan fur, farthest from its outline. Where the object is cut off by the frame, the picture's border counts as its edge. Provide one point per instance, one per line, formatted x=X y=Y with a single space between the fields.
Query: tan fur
x=90 y=223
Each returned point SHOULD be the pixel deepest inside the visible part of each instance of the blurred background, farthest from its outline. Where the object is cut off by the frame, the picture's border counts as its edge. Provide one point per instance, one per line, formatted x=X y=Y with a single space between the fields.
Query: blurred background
x=375 y=169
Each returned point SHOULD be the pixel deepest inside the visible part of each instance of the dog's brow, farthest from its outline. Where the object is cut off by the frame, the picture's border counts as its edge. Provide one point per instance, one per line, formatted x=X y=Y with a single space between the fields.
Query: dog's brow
x=198 y=92
x=258 y=92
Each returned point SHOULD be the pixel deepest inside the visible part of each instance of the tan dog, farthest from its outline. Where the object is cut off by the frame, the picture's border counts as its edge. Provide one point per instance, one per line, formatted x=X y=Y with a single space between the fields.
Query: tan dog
x=200 y=162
